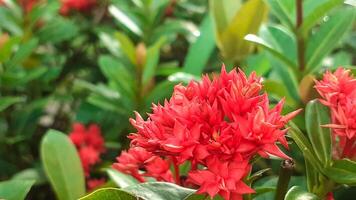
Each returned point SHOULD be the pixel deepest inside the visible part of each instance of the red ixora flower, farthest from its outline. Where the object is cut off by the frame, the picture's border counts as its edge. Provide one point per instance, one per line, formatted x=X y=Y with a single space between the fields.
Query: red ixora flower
x=89 y=143
x=338 y=92
x=77 y=5
x=218 y=123
x=139 y=163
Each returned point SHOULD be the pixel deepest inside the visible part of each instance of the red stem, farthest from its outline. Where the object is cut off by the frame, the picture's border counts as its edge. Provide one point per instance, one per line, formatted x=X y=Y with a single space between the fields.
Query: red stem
x=300 y=39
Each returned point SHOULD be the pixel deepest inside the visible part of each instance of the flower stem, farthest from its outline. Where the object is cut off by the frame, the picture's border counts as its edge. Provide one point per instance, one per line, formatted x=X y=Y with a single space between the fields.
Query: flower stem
x=299 y=35
x=285 y=174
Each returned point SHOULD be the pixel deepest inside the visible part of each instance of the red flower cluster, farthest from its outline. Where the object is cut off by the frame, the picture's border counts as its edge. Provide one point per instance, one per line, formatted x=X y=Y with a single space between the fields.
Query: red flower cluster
x=77 y=5
x=338 y=91
x=219 y=124
x=26 y=5
x=90 y=144
x=139 y=163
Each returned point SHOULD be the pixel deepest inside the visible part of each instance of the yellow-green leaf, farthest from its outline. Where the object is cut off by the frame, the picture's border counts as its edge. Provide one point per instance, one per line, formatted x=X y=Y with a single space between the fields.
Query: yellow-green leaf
x=246 y=21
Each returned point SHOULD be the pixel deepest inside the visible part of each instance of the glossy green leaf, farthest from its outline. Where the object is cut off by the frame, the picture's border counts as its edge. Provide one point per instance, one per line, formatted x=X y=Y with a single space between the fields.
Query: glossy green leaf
x=350 y=2
x=311 y=176
x=127 y=46
x=246 y=21
x=316 y=115
x=159 y=191
x=8 y=101
x=170 y=29
x=282 y=40
x=296 y=193
x=121 y=180
x=317 y=14
x=109 y=194
x=258 y=63
x=279 y=55
x=152 y=59
x=110 y=43
x=182 y=77
x=117 y=73
x=62 y=166
x=280 y=90
x=35 y=174
x=304 y=145
x=286 y=76
x=283 y=11
x=342 y=171
x=205 y=44
x=125 y=20
x=327 y=37
x=15 y=189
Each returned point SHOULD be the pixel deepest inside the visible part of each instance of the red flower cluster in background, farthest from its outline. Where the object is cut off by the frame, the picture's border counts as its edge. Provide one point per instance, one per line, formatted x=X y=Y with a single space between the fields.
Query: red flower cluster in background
x=218 y=124
x=90 y=144
x=26 y=5
x=338 y=91
x=76 y=5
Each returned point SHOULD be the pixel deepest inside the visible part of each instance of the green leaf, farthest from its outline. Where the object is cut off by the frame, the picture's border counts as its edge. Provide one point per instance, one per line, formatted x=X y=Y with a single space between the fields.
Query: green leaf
x=125 y=20
x=202 y=197
x=162 y=90
x=317 y=14
x=279 y=55
x=311 y=176
x=280 y=90
x=62 y=166
x=283 y=11
x=350 y=2
x=171 y=27
x=15 y=189
x=5 y=102
x=109 y=194
x=7 y=47
x=127 y=46
x=258 y=63
x=117 y=73
x=181 y=77
x=246 y=21
x=159 y=191
x=152 y=60
x=35 y=174
x=286 y=76
x=304 y=145
x=296 y=193
x=316 y=115
x=223 y=12
x=24 y=51
x=121 y=180
x=328 y=36
x=58 y=30
x=342 y=171
x=205 y=44
x=9 y=22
